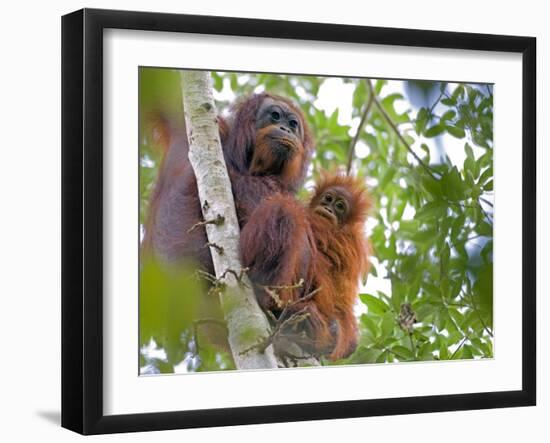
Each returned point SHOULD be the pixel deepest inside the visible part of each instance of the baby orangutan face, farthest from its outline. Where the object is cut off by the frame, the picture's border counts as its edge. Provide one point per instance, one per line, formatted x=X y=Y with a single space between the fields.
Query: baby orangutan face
x=334 y=204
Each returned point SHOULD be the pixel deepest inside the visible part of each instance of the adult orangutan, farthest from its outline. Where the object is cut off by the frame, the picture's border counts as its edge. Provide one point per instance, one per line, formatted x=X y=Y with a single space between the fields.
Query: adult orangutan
x=325 y=246
x=267 y=147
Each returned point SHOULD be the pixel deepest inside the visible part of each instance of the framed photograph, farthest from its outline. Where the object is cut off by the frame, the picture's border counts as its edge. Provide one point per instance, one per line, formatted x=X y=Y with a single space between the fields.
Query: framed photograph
x=270 y=221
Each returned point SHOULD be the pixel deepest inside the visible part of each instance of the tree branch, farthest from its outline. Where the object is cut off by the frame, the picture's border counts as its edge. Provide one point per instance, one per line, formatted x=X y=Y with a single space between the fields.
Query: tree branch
x=476 y=310
x=392 y=124
x=487 y=202
x=362 y=122
x=458 y=348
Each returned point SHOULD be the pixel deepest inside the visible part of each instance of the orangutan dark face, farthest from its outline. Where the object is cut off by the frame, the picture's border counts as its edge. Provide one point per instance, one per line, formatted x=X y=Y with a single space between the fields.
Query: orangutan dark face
x=334 y=204
x=279 y=138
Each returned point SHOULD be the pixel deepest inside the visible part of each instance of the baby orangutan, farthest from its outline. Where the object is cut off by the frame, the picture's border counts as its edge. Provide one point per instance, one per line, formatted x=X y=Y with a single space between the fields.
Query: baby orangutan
x=324 y=246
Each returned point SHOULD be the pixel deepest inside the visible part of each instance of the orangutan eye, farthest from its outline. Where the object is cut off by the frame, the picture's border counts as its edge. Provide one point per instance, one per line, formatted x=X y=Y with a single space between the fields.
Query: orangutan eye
x=293 y=124
x=340 y=206
x=275 y=116
x=327 y=198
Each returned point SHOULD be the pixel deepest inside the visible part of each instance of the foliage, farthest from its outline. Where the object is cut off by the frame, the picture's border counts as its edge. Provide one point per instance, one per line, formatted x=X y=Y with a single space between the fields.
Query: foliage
x=426 y=152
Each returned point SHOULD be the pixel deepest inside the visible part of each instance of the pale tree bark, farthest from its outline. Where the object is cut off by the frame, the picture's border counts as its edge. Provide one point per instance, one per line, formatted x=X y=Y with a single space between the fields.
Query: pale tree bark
x=246 y=323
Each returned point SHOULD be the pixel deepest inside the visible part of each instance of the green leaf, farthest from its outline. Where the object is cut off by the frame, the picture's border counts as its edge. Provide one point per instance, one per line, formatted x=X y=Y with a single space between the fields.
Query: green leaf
x=168 y=304
x=445 y=255
x=455 y=131
x=430 y=211
x=217 y=82
x=360 y=95
x=425 y=352
x=371 y=324
x=469 y=151
x=432 y=186
x=486 y=175
x=443 y=351
x=374 y=304
x=426 y=149
x=382 y=357
x=365 y=355
x=487 y=252
x=434 y=131
x=387 y=177
x=448 y=115
x=472 y=95
x=425 y=236
x=333 y=119
x=378 y=85
x=373 y=271
x=469 y=169
x=421 y=120
x=398 y=294
x=466 y=353
x=402 y=352
x=484 y=229
x=388 y=322
x=453 y=186
x=234 y=81
x=458 y=93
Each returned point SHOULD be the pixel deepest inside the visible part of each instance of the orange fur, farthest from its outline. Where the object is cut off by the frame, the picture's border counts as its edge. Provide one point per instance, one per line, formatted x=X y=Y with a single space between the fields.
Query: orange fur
x=285 y=242
x=342 y=258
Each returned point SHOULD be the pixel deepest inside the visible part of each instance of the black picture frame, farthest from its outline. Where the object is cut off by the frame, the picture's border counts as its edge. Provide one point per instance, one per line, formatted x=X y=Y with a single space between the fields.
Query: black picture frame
x=82 y=220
